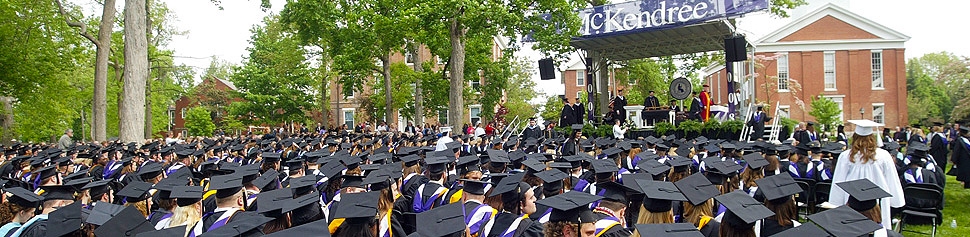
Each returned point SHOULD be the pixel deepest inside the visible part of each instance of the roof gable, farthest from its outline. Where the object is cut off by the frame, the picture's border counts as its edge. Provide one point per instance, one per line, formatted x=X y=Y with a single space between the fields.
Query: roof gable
x=837 y=22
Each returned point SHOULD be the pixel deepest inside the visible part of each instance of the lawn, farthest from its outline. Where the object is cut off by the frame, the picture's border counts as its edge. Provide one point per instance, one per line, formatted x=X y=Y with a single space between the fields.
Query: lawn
x=957 y=208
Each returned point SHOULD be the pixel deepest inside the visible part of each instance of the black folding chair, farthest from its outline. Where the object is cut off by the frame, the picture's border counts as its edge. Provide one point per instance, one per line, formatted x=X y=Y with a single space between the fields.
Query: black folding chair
x=928 y=186
x=806 y=198
x=822 y=190
x=921 y=203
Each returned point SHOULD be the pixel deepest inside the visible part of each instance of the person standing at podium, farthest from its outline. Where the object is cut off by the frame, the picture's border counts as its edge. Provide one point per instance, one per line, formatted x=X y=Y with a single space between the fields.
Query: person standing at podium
x=651 y=102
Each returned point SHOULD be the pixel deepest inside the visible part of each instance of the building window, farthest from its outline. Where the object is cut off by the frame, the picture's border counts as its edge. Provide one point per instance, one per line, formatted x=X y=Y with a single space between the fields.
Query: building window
x=349 y=118
x=879 y=113
x=579 y=94
x=580 y=77
x=476 y=86
x=443 y=116
x=829 y=71
x=474 y=113
x=784 y=111
x=783 y=72
x=348 y=94
x=877 y=69
x=409 y=56
x=182 y=113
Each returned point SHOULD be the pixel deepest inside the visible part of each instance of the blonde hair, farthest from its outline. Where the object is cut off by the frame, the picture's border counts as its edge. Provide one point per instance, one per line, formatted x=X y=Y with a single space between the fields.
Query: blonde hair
x=647 y=217
x=142 y=206
x=187 y=215
x=864 y=145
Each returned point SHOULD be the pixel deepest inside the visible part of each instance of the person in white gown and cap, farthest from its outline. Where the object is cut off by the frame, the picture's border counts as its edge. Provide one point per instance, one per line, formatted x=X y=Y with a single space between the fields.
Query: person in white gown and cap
x=864 y=160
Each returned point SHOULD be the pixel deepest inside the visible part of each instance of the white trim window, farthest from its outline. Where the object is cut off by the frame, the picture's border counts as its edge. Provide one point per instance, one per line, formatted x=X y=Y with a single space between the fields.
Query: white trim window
x=879 y=113
x=877 y=80
x=829 y=70
x=784 y=111
x=348 y=117
x=838 y=100
x=476 y=86
x=409 y=56
x=474 y=113
x=182 y=113
x=783 y=72
x=580 y=77
x=579 y=95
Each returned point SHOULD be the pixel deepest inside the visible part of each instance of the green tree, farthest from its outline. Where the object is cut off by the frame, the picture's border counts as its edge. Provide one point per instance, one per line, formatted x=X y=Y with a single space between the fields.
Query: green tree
x=938 y=80
x=276 y=83
x=198 y=121
x=551 y=109
x=826 y=112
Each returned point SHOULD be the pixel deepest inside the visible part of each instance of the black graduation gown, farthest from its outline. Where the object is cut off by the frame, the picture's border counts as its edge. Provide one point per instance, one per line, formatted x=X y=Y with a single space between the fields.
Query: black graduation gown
x=211 y=219
x=695 y=109
x=157 y=215
x=6 y=170
x=618 y=104
x=566 y=116
x=307 y=214
x=615 y=231
x=532 y=132
x=713 y=229
x=37 y=229
x=961 y=158
x=757 y=124
x=407 y=225
x=504 y=220
x=579 y=113
x=938 y=150
x=770 y=226
x=651 y=101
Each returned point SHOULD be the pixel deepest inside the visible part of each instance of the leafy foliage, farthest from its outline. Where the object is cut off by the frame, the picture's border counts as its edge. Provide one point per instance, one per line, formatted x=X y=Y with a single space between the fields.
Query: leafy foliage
x=936 y=86
x=826 y=112
x=551 y=109
x=664 y=128
x=276 y=82
x=198 y=121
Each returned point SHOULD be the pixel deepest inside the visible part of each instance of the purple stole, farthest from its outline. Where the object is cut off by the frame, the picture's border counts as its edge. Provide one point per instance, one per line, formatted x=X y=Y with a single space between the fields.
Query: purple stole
x=605 y=224
x=475 y=225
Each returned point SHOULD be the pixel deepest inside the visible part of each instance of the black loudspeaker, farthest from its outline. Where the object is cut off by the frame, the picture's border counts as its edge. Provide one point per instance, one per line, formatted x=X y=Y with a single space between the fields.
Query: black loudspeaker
x=547 y=69
x=735 y=49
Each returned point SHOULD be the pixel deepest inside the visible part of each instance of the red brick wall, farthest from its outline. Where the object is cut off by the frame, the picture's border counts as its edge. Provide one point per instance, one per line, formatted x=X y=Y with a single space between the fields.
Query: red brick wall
x=827 y=28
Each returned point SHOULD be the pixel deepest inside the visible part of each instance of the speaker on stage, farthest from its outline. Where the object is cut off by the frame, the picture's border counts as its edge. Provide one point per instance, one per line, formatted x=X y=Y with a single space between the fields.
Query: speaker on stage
x=735 y=49
x=547 y=69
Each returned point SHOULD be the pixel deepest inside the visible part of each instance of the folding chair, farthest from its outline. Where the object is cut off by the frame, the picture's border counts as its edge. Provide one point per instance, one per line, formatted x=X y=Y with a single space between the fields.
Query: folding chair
x=806 y=198
x=928 y=186
x=922 y=203
x=822 y=190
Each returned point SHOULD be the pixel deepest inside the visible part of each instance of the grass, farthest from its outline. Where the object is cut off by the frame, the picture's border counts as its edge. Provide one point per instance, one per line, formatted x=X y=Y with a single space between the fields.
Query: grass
x=957 y=208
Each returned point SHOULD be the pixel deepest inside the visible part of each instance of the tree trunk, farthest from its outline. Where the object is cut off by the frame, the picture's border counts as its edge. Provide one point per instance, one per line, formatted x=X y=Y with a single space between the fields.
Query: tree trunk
x=418 y=97
x=388 y=93
x=603 y=97
x=148 y=81
x=456 y=103
x=100 y=107
x=132 y=125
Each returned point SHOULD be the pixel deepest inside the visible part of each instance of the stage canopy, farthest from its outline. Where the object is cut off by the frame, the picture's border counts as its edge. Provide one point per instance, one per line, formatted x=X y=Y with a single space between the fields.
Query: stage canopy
x=651 y=28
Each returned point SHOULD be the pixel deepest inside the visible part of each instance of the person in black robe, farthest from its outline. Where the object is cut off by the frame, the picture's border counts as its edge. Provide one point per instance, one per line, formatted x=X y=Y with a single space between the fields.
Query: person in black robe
x=618 y=103
x=532 y=131
x=695 y=108
x=566 y=116
x=571 y=144
x=518 y=200
x=939 y=145
x=961 y=157
x=757 y=123
x=579 y=113
x=651 y=101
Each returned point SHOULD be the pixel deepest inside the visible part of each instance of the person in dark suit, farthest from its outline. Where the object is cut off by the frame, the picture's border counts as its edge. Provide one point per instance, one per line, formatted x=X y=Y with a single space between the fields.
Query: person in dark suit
x=674 y=106
x=651 y=101
x=532 y=131
x=961 y=157
x=808 y=135
x=566 y=115
x=757 y=123
x=579 y=112
x=618 y=102
x=570 y=146
x=695 y=108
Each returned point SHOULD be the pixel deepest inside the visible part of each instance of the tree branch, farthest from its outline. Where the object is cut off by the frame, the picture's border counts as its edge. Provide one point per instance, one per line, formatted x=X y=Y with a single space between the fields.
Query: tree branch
x=77 y=24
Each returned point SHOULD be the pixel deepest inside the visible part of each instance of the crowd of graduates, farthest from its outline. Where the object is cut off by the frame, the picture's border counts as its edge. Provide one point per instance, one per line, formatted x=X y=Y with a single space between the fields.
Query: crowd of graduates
x=344 y=183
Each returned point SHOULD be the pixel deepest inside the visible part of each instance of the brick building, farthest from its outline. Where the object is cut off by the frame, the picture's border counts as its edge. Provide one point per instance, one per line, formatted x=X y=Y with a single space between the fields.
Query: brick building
x=211 y=86
x=574 y=79
x=830 y=52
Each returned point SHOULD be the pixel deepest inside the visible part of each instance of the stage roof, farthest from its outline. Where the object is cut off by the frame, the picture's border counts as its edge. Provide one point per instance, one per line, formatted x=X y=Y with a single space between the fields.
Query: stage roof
x=695 y=38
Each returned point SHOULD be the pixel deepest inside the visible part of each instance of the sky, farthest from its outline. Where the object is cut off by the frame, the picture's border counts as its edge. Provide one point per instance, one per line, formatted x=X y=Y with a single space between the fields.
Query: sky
x=932 y=25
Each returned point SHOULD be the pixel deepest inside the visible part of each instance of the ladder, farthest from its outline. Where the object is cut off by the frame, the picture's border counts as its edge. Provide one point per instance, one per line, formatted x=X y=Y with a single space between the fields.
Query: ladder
x=746 y=129
x=775 y=124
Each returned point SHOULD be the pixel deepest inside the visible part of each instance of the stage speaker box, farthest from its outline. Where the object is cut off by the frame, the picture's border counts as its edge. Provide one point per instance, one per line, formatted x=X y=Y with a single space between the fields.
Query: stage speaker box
x=735 y=49
x=547 y=69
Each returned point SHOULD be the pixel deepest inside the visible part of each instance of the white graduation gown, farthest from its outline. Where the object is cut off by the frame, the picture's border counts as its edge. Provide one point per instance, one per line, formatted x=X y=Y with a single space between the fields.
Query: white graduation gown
x=881 y=171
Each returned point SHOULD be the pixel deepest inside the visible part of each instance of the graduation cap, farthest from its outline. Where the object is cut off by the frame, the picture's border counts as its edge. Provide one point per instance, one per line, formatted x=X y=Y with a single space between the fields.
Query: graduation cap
x=843 y=221
x=226 y=185
x=509 y=184
x=742 y=210
x=697 y=189
x=187 y=195
x=863 y=194
x=262 y=182
x=97 y=188
x=351 y=181
x=243 y=224
x=669 y=230
x=271 y=202
x=576 y=127
x=358 y=207
x=270 y=156
x=616 y=192
x=475 y=187
x=136 y=191
x=467 y=163
x=755 y=160
x=23 y=197
x=571 y=207
x=534 y=165
x=150 y=170
x=441 y=221
x=410 y=160
x=305 y=184
x=658 y=195
x=68 y=220
x=167 y=232
x=58 y=192
x=316 y=228
x=653 y=167
x=574 y=161
x=804 y=230
x=102 y=212
x=680 y=163
x=552 y=179
x=438 y=164
x=778 y=189
x=604 y=166
x=299 y=202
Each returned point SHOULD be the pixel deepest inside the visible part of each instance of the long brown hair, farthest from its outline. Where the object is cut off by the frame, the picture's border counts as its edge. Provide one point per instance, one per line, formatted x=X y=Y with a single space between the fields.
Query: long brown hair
x=693 y=214
x=727 y=230
x=750 y=175
x=874 y=214
x=8 y=211
x=647 y=217
x=784 y=212
x=864 y=145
